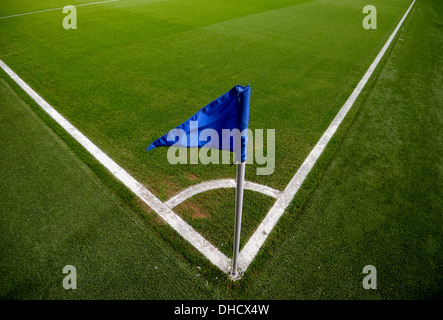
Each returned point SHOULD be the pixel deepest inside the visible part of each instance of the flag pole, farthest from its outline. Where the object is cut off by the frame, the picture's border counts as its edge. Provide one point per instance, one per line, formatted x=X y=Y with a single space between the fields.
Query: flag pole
x=238 y=215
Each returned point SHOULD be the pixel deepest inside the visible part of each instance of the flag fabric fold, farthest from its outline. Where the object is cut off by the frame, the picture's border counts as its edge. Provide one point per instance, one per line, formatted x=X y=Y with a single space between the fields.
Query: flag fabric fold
x=223 y=115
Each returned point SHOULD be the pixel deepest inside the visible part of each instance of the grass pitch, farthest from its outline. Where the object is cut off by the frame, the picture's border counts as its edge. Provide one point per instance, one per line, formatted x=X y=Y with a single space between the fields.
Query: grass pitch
x=56 y=212
x=135 y=69
x=150 y=65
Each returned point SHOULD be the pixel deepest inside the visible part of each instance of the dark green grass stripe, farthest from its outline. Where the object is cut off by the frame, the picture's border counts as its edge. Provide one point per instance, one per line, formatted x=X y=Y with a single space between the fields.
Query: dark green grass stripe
x=379 y=199
x=55 y=212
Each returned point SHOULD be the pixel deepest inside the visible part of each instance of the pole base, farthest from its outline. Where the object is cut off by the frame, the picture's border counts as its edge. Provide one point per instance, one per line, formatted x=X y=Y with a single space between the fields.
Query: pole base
x=234 y=276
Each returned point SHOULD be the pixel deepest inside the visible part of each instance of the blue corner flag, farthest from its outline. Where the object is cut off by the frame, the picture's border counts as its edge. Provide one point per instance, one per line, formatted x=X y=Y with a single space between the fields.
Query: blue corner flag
x=226 y=113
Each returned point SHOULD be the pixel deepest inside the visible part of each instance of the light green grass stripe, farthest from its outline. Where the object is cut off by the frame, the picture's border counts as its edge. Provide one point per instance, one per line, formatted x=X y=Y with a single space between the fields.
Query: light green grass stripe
x=178 y=224
x=47 y=10
x=254 y=244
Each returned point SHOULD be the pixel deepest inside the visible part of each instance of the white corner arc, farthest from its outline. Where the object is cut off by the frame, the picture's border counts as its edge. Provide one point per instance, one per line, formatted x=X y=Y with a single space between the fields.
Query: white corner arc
x=218 y=184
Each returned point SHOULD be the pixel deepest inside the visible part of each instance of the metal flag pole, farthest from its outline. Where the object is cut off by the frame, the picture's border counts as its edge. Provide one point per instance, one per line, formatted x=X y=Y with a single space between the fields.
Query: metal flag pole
x=238 y=213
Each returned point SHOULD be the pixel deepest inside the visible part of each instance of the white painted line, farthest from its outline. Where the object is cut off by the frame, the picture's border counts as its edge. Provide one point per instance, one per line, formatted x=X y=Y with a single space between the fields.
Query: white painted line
x=254 y=244
x=77 y=5
x=248 y=185
x=217 y=184
x=179 y=225
x=284 y=198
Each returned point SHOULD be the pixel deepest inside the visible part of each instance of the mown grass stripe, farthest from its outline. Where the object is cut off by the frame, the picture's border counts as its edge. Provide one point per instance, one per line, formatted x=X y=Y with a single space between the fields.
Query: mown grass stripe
x=177 y=223
x=54 y=9
x=254 y=244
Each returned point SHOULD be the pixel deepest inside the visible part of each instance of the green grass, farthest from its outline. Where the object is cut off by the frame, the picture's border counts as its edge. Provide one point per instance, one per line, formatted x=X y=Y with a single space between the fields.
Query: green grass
x=135 y=69
x=378 y=200
x=56 y=212
x=219 y=217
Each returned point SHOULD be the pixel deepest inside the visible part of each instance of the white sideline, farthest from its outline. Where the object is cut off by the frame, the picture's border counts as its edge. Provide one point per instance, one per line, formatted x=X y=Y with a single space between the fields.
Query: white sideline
x=217 y=184
x=254 y=244
x=284 y=198
x=179 y=225
x=77 y=5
